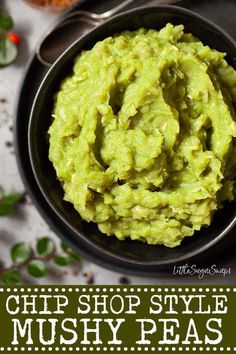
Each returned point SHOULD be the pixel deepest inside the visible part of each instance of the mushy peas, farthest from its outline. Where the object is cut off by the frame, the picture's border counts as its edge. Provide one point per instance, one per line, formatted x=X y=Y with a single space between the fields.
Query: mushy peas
x=143 y=135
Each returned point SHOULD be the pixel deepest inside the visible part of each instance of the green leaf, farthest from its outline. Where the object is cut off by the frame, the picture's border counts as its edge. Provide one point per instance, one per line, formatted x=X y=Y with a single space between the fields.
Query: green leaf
x=1 y=192
x=76 y=257
x=6 y=22
x=63 y=260
x=37 y=269
x=21 y=253
x=8 y=52
x=10 y=277
x=64 y=247
x=8 y=202
x=6 y=209
x=69 y=251
x=13 y=197
x=45 y=246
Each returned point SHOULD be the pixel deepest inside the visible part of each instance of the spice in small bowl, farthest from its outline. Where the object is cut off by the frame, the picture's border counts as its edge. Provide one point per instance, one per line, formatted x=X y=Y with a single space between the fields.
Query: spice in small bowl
x=52 y=5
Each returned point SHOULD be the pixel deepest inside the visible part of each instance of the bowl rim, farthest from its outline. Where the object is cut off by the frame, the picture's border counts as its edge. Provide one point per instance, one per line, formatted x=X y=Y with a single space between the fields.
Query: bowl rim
x=46 y=79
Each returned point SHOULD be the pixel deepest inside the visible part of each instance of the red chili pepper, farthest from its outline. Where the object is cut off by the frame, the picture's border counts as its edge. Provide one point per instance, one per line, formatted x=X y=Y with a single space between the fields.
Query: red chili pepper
x=13 y=37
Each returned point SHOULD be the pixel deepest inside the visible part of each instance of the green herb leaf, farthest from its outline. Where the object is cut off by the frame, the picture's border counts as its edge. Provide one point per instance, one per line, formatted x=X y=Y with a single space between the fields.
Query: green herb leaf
x=6 y=22
x=64 y=247
x=21 y=253
x=12 y=198
x=37 y=269
x=8 y=202
x=76 y=257
x=70 y=252
x=10 y=277
x=6 y=209
x=63 y=260
x=1 y=193
x=45 y=246
x=8 y=52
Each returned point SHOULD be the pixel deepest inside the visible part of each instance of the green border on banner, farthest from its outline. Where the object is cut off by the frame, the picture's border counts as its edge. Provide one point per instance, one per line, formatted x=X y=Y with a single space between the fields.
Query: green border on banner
x=117 y=319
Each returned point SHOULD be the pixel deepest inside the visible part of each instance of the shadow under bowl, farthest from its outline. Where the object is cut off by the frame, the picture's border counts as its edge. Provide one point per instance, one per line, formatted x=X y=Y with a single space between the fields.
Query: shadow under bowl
x=129 y=256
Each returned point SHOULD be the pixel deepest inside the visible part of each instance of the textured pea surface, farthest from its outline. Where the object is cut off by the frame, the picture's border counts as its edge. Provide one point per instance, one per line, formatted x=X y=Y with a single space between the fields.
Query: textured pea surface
x=143 y=135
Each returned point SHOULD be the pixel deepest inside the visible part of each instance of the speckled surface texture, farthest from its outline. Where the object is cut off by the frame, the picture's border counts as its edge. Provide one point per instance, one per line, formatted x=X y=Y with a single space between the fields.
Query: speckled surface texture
x=26 y=224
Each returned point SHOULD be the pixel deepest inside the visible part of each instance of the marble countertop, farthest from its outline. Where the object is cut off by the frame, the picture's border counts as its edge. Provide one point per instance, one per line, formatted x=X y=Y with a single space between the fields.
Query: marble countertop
x=26 y=224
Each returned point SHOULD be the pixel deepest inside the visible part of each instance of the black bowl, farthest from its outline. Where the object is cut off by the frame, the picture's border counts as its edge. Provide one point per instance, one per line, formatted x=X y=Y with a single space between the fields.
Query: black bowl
x=132 y=256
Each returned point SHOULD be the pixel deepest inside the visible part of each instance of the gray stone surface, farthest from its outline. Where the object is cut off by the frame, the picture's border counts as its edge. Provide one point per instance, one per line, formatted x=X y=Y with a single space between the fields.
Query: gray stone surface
x=26 y=224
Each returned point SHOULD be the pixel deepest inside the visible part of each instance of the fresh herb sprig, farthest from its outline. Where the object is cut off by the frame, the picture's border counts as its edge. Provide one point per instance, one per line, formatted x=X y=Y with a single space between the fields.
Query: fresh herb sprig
x=8 y=40
x=8 y=202
x=36 y=261
x=6 y=22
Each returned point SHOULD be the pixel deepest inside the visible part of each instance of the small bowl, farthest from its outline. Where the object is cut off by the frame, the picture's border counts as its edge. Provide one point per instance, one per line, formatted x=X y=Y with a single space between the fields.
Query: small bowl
x=51 y=6
x=130 y=256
